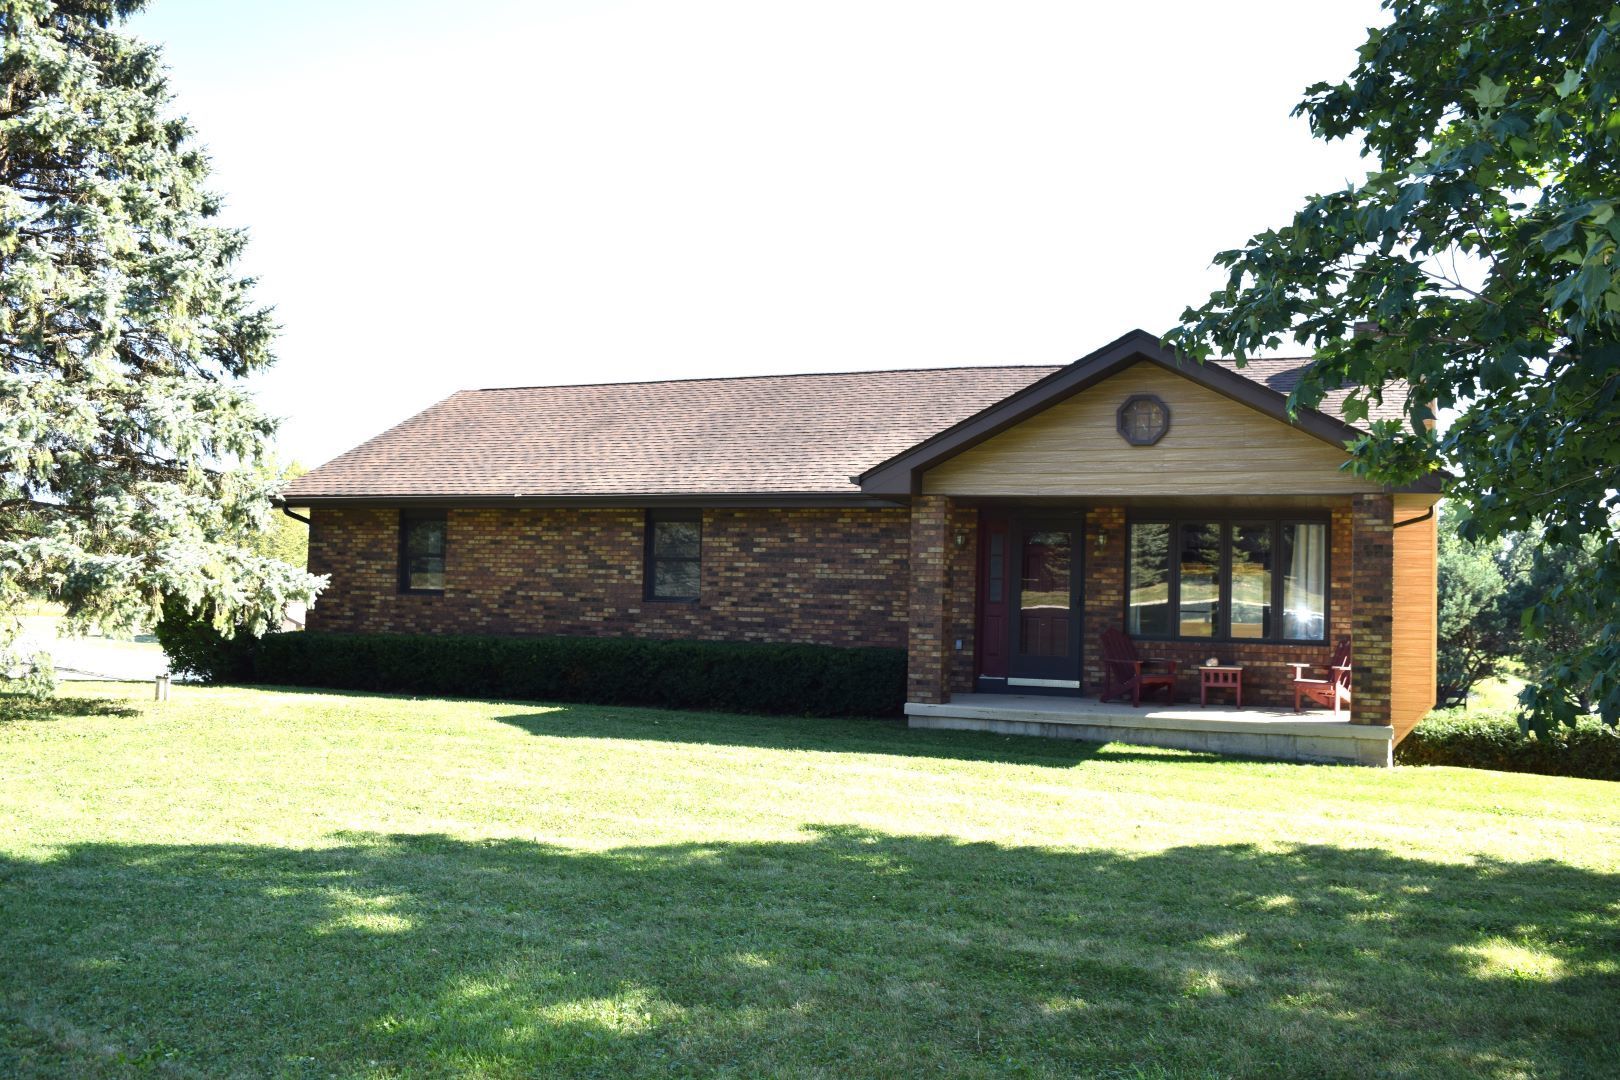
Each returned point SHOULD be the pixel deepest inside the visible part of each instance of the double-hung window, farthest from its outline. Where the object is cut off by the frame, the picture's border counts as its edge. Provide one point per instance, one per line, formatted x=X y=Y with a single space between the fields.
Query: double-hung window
x=422 y=537
x=674 y=554
x=1238 y=580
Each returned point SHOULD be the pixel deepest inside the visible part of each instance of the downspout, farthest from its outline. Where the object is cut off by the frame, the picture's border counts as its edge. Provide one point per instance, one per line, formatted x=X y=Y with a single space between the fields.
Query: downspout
x=299 y=517
x=1425 y=516
x=1429 y=513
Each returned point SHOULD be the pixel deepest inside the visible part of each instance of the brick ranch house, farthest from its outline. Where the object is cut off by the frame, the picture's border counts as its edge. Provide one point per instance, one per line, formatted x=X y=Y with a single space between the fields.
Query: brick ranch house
x=991 y=521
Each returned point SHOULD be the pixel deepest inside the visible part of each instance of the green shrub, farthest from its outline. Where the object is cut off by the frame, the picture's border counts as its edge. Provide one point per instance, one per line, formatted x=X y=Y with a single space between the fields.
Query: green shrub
x=196 y=650
x=1493 y=740
x=814 y=680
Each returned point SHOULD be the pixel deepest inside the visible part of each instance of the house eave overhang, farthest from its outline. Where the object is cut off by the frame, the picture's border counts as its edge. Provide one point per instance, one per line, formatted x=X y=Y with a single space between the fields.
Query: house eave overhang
x=785 y=499
x=901 y=475
x=1433 y=484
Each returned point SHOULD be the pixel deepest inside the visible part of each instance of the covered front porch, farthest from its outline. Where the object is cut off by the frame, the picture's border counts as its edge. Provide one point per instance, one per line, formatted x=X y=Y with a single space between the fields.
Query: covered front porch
x=1009 y=599
x=1249 y=732
x=1184 y=509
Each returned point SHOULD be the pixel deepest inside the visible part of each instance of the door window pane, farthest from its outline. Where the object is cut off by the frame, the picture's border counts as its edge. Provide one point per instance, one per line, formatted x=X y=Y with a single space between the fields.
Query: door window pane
x=1251 y=581
x=1304 y=570
x=1043 y=605
x=997 y=584
x=1149 y=604
x=1200 y=579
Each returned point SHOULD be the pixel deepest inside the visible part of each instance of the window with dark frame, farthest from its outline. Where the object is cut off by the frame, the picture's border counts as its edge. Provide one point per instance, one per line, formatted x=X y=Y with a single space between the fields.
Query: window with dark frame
x=674 y=554
x=1227 y=580
x=422 y=536
x=1143 y=419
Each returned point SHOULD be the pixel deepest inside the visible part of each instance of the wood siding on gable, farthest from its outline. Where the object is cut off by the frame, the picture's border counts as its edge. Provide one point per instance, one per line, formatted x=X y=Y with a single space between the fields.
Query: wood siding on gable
x=1215 y=446
x=1413 y=635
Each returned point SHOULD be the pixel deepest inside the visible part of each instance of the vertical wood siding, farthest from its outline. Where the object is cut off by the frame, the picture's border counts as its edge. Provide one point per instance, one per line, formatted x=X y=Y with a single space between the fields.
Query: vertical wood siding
x=1414 y=631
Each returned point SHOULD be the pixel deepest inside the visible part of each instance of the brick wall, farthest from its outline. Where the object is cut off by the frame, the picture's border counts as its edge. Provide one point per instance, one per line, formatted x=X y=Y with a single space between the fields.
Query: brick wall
x=820 y=576
x=1104 y=562
x=1372 y=619
x=928 y=640
x=963 y=571
x=944 y=600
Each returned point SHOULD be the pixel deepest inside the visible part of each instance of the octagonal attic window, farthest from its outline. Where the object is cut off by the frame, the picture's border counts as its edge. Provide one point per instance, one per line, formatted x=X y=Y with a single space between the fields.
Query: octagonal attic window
x=1143 y=419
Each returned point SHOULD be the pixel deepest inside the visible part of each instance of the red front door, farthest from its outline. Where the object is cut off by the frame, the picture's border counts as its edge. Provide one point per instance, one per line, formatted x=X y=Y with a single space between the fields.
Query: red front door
x=1028 y=626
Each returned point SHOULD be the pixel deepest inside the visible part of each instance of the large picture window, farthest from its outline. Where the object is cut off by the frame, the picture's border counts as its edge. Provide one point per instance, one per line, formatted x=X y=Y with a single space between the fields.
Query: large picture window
x=1228 y=580
x=421 y=551
x=674 y=554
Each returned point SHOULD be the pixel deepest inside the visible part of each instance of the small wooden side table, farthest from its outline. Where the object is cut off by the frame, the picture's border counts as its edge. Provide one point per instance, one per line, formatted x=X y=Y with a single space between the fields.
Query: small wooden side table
x=1221 y=677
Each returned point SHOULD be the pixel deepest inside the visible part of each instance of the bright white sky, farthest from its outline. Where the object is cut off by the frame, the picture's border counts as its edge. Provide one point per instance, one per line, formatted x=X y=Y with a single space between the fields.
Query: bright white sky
x=494 y=192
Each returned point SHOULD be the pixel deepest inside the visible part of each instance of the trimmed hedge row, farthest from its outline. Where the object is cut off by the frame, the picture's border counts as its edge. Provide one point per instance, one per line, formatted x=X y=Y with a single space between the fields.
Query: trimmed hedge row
x=810 y=680
x=196 y=650
x=1494 y=741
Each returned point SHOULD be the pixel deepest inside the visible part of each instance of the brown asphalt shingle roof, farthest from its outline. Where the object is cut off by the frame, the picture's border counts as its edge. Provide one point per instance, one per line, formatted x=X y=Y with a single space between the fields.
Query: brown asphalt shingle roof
x=761 y=435
x=748 y=436
x=1283 y=374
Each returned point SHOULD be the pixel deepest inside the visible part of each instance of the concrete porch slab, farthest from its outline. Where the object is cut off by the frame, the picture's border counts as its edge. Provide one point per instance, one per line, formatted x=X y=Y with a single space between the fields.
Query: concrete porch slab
x=1252 y=732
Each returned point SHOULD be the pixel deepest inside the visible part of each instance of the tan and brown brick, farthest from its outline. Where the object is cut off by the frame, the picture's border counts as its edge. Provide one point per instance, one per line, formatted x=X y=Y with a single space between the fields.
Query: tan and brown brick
x=812 y=575
x=893 y=577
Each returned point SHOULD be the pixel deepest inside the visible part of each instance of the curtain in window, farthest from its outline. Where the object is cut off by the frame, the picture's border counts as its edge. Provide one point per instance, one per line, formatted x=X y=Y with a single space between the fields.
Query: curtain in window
x=1305 y=582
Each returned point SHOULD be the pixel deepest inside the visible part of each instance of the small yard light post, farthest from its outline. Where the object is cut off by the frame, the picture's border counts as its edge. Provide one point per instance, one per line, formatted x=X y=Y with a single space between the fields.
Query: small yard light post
x=160 y=691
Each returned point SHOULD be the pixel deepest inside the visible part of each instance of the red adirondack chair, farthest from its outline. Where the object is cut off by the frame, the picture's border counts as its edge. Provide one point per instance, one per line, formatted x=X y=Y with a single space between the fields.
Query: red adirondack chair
x=1126 y=673
x=1333 y=691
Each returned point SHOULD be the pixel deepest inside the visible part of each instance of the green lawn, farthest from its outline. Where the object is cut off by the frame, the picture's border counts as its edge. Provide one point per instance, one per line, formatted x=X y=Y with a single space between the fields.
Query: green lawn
x=251 y=883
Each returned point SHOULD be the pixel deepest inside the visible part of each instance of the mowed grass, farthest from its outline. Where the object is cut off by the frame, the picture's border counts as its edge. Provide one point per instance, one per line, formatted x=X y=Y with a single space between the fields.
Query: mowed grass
x=253 y=883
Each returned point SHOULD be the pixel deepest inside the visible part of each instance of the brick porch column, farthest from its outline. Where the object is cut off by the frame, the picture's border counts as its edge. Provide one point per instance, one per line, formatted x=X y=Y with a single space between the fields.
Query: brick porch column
x=1104 y=592
x=928 y=659
x=962 y=570
x=1372 y=607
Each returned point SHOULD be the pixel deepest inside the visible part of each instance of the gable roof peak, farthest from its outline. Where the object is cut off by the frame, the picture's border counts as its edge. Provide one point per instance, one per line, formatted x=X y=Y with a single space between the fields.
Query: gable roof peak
x=895 y=475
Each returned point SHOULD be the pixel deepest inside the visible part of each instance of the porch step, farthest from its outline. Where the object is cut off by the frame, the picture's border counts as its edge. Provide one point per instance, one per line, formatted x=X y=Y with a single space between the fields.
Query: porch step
x=1261 y=733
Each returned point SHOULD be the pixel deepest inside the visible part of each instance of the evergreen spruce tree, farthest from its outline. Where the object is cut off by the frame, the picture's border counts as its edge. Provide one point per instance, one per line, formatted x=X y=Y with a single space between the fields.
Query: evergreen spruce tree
x=129 y=449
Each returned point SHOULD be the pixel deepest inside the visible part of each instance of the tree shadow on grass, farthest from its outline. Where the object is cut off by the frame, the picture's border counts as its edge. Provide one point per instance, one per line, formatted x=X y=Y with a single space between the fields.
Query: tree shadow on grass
x=14 y=707
x=848 y=952
x=861 y=735
x=831 y=735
